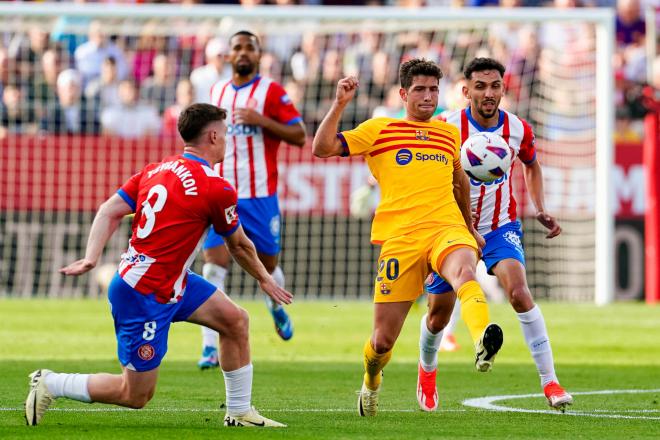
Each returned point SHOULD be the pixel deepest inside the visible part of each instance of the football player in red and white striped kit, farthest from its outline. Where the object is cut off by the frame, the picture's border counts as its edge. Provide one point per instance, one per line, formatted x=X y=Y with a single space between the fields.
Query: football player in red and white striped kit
x=176 y=202
x=495 y=217
x=260 y=116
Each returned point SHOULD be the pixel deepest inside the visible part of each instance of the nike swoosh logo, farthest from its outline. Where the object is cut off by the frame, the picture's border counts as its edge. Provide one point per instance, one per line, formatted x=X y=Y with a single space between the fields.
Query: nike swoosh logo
x=260 y=424
x=451 y=241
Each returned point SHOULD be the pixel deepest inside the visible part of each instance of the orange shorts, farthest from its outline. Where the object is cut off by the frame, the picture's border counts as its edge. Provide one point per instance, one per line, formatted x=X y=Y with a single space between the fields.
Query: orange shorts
x=405 y=261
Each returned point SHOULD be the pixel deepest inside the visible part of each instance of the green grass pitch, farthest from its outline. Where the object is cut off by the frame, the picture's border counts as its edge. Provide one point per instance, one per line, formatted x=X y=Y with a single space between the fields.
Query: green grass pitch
x=310 y=382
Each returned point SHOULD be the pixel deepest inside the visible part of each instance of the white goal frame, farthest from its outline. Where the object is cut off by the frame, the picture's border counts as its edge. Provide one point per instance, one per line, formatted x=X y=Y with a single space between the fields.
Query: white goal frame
x=313 y=16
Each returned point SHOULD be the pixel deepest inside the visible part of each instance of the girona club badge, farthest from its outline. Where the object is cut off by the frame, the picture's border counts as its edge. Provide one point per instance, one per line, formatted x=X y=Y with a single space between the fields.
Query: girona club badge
x=146 y=352
x=251 y=103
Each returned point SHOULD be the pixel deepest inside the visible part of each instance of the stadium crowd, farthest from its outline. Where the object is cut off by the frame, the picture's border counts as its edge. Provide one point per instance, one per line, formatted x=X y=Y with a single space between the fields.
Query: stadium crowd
x=135 y=84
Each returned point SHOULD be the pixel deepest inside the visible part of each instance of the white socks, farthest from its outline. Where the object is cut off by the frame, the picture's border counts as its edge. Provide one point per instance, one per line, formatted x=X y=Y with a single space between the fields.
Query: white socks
x=71 y=386
x=238 y=389
x=536 y=337
x=428 y=347
x=278 y=276
x=455 y=316
x=215 y=275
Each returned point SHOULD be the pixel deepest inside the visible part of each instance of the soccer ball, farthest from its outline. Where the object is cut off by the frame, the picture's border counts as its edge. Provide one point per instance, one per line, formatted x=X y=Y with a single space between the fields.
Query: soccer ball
x=486 y=156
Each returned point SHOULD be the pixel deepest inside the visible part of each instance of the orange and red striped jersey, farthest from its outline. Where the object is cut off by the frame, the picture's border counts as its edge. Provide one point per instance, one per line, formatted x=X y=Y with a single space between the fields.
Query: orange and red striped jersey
x=414 y=164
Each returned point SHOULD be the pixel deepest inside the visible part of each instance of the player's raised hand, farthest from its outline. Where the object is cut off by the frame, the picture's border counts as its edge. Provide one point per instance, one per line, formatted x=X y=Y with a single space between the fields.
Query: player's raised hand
x=346 y=88
x=550 y=223
x=78 y=267
x=277 y=293
x=248 y=116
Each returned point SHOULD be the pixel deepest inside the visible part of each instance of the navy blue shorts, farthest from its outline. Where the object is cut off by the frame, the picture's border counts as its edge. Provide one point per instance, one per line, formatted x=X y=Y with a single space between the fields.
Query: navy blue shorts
x=142 y=324
x=261 y=221
x=502 y=243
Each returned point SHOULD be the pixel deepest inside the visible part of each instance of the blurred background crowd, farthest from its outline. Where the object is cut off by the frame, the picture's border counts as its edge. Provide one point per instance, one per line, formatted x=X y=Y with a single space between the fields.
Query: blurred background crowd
x=102 y=80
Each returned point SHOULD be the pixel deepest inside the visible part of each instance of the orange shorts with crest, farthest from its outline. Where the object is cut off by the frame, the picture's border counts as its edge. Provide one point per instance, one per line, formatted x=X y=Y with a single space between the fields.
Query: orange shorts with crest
x=405 y=261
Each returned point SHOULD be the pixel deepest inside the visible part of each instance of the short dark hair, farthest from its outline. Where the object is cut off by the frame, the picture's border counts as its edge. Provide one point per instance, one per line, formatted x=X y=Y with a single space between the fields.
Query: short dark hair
x=247 y=34
x=415 y=67
x=481 y=64
x=194 y=118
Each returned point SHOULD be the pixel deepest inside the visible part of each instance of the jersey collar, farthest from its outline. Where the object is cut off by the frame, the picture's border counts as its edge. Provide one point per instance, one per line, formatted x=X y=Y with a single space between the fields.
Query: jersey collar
x=252 y=81
x=500 y=122
x=198 y=159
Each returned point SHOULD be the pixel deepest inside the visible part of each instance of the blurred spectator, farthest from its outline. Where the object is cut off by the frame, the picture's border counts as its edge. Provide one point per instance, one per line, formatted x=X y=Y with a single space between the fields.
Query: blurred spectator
x=159 y=89
x=43 y=89
x=149 y=44
x=376 y=86
x=306 y=62
x=16 y=116
x=90 y=55
x=70 y=114
x=391 y=107
x=215 y=69
x=26 y=51
x=131 y=118
x=295 y=92
x=185 y=93
x=630 y=26
x=270 y=66
x=358 y=57
x=104 y=90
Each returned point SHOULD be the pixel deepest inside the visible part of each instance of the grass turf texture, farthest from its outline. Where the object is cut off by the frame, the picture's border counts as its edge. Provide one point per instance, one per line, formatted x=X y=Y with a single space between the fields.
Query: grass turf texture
x=310 y=382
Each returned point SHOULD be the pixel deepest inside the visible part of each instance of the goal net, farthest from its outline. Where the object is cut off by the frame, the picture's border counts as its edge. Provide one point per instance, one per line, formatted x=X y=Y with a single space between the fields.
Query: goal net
x=58 y=165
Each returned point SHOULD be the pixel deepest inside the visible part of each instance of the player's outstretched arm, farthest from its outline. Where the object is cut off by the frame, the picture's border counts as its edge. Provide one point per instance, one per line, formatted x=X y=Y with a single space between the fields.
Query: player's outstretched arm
x=105 y=223
x=242 y=249
x=534 y=182
x=325 y=143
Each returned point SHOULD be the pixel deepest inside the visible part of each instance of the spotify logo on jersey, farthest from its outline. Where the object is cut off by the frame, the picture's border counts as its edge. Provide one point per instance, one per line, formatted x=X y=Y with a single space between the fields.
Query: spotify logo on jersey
x=403 y=157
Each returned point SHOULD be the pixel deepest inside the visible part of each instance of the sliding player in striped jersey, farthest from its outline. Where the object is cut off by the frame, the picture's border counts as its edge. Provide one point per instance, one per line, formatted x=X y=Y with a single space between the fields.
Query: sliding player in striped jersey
x=494 y=211
x=260 y=116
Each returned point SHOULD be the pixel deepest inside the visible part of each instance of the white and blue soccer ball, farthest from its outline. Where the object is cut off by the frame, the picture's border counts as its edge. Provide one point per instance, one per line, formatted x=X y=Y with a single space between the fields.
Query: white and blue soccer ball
x=486 y=156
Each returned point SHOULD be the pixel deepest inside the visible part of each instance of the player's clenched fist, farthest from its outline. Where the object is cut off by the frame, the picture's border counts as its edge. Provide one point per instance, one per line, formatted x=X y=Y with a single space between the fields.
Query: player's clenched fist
x=346 y=88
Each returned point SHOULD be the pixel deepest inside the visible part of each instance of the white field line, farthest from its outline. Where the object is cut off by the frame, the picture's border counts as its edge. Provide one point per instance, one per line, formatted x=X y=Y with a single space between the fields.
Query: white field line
x=215 y=410
x=488 y=403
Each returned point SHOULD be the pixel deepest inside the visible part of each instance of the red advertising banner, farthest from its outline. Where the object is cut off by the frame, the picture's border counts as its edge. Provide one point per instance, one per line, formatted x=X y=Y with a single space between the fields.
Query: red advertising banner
x=54 y=173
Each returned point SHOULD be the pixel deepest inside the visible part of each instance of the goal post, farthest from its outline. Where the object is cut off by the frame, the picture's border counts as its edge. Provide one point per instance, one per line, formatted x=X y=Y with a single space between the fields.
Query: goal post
x=319 y=234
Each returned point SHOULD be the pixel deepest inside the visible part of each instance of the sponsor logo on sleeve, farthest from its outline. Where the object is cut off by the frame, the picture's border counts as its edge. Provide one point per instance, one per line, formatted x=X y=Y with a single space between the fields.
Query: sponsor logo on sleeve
x=230 y=214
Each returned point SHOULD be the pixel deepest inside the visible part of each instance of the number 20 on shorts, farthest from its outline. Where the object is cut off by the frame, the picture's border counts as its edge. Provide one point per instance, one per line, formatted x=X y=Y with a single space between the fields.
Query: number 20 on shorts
x=391 y=267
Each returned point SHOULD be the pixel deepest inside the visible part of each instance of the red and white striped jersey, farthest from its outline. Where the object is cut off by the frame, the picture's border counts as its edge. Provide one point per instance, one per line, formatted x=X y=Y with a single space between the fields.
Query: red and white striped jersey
x=175 y=202
x=493 y=203
x=251 y=156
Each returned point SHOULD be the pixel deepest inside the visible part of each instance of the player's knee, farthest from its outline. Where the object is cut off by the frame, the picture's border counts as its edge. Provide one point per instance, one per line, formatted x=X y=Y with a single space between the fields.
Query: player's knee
x=138 y=399
x=238 y=323
x=520 y=298
x=438 y=321
x=382 y=343
x=465 y=273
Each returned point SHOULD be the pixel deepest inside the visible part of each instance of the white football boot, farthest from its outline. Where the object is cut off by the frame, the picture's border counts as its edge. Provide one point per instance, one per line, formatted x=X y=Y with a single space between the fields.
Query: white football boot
x=252 y=419
x=38 y=399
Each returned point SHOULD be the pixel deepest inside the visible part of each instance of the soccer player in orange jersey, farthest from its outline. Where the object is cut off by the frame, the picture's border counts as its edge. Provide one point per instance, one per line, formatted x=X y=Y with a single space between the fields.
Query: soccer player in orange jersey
x=423 y=221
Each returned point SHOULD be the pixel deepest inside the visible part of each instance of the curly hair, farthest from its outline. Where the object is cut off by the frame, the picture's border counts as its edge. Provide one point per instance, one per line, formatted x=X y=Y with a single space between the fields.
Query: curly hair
x=417 y=66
